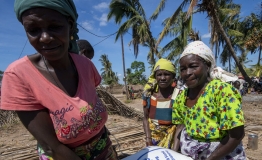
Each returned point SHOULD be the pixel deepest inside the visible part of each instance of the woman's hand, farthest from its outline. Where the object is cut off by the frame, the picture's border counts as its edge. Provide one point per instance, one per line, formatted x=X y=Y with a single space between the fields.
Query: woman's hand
x=149 y=142
x=39 y=124
x=229 y=143
x=176 y=145
x=146 y=128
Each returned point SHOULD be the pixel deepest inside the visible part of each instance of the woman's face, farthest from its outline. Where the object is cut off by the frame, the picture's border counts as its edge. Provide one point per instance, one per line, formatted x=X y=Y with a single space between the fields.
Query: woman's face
x=164 y=78
x=194 y=71
x=48 y=31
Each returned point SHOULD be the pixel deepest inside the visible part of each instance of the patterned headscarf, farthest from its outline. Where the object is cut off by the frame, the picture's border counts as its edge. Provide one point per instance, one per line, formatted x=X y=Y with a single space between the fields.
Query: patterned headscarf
x=151 y=84
x=65 y=7
x=200 y=49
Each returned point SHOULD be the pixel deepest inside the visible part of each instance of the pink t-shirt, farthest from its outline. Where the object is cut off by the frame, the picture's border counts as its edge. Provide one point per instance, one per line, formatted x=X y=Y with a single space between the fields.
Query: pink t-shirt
x=76 y=119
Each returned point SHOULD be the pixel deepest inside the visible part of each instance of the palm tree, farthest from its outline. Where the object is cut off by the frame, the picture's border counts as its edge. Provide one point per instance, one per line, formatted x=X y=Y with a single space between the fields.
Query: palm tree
x=243 y=59
x=171 y=21
x=107 y=67
x=116 y=78
x=253 y=39
x=212 y=9
x=135 y=16
x=256 y=70
x=181 y=28
x=107 y=73
x=228 y=16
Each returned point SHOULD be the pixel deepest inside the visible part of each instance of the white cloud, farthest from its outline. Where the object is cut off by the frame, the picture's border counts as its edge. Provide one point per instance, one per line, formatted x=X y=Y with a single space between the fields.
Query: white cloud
x=208 y=35
x=87 y=25
x=102 y=19
x=119 y=75
x=101 y=6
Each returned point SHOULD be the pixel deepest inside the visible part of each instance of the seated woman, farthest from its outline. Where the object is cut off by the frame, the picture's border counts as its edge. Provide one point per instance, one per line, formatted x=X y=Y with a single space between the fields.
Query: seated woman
x=158 y=96
x=208 y=113
x=54 y=90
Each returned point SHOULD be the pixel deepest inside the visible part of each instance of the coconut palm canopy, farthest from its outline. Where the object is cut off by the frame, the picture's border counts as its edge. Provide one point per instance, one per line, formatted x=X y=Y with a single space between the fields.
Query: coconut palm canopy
x=227 y=29
x=150 y=21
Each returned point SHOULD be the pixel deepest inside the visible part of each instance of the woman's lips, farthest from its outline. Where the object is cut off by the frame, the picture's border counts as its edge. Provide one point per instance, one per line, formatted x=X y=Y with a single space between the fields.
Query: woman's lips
x=189 y=80
x=50 y=49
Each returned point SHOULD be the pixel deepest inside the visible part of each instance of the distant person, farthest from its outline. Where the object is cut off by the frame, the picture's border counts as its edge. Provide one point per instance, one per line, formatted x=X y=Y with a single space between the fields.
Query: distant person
x=132 y=94
x=242 y=81
x=158 y=97
x=85 y=48
x=237 y=84
x=127 y=90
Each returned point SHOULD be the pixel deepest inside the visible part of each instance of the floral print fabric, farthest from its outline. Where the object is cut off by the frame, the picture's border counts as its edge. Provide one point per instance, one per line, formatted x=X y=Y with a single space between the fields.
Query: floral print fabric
x=202 y=150
x=217 y=110
x=162 y=135
x=98 y=148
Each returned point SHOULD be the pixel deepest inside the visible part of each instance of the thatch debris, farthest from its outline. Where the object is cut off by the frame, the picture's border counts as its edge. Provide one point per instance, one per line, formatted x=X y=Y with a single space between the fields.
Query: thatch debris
x=114 y=106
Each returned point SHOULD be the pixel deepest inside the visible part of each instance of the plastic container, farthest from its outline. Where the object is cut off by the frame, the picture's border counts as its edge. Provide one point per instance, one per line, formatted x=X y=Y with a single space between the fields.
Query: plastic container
x=253 y=141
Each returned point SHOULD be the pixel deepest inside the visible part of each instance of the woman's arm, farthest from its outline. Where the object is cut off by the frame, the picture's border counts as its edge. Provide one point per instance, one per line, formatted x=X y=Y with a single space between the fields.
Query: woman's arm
x=39 y=124
x=229 y=143
x=146 y=127
x=179 y=128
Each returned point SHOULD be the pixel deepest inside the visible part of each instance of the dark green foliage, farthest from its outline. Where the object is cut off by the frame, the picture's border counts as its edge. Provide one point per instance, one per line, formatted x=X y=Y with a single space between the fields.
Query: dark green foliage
x=135 y=74
x=108 y=76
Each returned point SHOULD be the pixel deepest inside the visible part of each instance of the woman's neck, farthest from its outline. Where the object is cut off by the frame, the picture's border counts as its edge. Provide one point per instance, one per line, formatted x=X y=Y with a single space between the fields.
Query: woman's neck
x=165 y=92
x=62 y=64
x=195 y=92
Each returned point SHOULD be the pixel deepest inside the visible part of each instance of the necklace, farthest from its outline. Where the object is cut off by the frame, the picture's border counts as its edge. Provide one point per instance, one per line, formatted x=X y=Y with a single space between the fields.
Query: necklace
x=47 y=68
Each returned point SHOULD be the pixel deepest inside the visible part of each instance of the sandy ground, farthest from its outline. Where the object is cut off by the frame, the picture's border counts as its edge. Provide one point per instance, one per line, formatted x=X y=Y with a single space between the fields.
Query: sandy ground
x=16 y=139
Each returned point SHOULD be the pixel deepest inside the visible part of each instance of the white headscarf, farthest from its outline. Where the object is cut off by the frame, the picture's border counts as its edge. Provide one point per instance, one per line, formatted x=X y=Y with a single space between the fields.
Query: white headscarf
x=200 y=49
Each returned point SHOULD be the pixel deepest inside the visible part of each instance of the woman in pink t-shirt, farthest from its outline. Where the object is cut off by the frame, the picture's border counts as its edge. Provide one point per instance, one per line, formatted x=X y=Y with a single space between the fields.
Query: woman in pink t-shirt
x=54 y=90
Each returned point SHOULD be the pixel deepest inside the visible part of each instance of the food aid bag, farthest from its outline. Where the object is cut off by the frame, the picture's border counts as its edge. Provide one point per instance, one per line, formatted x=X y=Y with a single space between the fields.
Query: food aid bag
x=157 y=153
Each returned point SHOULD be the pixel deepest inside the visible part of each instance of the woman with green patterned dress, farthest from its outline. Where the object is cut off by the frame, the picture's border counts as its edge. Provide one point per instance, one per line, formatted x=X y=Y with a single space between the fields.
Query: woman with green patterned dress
x=208 y=114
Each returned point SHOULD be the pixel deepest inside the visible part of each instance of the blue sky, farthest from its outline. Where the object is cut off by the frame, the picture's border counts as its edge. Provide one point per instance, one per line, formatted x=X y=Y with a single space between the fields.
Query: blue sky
x=93 y=17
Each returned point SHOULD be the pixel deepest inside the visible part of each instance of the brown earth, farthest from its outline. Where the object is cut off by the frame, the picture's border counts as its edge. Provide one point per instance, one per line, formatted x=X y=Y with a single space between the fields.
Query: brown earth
x=127 y=134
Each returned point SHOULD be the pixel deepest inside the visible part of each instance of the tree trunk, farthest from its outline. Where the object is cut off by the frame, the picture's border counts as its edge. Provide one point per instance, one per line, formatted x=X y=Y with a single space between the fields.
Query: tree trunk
x=217 y=50
x=229 y=64
x=213 y=13
x=259 y=54
x=124 y=67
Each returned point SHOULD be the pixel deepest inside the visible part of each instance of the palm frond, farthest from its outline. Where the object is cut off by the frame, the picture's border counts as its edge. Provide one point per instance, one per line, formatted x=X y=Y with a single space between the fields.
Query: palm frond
x=235 y=33
x=171 y=21
x=190 y=10
x=159 y=8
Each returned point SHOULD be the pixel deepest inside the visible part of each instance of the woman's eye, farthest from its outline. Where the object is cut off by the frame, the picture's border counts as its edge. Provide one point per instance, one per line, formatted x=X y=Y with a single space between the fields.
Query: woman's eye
x=33 y=31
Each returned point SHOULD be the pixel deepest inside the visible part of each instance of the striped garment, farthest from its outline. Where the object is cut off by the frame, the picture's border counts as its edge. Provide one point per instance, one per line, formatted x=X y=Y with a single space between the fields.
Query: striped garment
x=160 y=110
